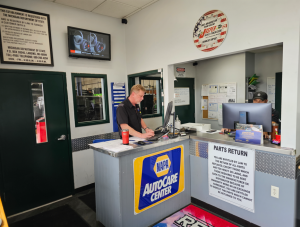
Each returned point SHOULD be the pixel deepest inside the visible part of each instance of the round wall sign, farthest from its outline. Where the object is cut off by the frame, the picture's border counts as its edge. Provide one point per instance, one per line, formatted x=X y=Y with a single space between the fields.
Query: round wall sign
x=210 y=30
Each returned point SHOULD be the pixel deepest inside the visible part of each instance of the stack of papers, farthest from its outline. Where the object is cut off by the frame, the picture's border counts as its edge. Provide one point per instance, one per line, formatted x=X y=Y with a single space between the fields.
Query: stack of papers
x=113 y=145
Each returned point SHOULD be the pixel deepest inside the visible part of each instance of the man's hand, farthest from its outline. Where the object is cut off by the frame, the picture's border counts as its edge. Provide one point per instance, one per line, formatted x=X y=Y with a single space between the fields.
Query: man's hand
x=147 y=135
x=225 y=129
x=149 y=130
x=266 y=135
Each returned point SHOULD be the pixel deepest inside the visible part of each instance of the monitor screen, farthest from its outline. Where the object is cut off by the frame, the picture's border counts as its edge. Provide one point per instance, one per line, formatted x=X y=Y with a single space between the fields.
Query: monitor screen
x=88 y=44
x=258 y=114
x=168 y=114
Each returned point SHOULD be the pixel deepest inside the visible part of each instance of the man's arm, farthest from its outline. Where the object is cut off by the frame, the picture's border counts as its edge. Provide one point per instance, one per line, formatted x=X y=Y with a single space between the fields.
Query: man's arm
x=133 y=132
x=145 y=126
x=275 y=116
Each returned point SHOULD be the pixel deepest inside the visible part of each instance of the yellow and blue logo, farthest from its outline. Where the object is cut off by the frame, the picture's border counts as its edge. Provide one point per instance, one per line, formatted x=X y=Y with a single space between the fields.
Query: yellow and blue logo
x=158 y=177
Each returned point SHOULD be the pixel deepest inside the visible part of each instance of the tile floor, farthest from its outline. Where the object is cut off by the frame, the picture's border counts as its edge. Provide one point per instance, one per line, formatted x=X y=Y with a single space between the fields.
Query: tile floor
x=76 y=204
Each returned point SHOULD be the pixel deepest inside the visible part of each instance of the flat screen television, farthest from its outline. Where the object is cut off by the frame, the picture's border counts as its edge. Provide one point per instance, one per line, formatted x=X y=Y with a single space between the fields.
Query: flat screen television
x=88 y=44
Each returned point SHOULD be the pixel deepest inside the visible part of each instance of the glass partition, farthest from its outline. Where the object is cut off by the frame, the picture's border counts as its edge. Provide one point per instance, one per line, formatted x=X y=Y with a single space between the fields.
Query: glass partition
x=39 y=114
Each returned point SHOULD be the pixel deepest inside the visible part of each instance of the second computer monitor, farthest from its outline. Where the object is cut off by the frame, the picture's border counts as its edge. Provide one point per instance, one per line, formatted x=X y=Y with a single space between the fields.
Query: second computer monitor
x=258 y=113
x=168 y=114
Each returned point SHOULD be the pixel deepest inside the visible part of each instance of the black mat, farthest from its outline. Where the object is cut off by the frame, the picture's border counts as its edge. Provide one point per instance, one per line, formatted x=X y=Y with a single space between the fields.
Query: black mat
x=89 y=200
x=62 y=216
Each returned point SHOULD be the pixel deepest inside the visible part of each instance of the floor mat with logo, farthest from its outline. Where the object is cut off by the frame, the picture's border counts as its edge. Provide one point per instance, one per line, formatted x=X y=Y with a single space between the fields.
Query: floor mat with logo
x=194 y=216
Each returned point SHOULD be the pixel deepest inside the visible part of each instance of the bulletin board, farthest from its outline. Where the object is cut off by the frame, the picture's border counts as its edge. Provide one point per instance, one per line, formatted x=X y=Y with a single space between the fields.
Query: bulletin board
x=216 y=94
x=205 y=112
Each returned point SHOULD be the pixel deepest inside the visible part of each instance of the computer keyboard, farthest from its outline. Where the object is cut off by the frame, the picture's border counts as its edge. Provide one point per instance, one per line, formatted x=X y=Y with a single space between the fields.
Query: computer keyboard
x=157 y=136
x=232 y=134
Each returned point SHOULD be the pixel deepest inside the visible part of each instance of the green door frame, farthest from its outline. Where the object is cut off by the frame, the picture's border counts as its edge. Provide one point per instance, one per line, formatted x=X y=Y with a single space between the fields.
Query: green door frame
x=63 y=74
x=131 y=82
x=152 y=78
x=104 y=96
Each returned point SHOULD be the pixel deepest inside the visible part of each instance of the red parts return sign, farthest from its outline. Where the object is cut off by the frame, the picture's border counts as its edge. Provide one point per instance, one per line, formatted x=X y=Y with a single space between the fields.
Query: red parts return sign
x=210 y=30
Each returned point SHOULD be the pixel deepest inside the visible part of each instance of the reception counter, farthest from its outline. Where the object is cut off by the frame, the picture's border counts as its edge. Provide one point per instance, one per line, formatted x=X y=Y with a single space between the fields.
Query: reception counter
x=116 y=202
x=234 y=177
x=273 y=166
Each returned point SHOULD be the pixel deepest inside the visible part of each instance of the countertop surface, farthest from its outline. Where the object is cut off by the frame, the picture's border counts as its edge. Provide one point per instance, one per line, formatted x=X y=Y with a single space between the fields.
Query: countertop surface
x=215 y=138
x=225 y=139
x=137 y=148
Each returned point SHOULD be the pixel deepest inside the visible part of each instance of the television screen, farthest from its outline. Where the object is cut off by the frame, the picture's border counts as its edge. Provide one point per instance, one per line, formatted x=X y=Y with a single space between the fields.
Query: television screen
x=88 y=44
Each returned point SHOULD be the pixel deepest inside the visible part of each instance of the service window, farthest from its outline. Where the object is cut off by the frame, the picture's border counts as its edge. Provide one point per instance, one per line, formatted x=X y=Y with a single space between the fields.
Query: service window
x=90 y=99
x=151 y=106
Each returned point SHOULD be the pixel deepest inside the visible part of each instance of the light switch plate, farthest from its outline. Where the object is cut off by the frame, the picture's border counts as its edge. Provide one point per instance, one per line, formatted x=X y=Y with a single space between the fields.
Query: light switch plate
x=275 y=191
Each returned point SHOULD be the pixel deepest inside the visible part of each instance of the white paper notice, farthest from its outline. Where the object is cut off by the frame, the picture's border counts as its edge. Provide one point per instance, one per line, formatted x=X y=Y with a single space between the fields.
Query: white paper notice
x=213 y=114
x=204 y=91
x=213 y=89
x=231 y=89
x=203 y=104
x=213 y=107
x=223 y=88
x=231 y=174
x=221 y=98
x=182 y=96
x=212 y=98
x=271 y=89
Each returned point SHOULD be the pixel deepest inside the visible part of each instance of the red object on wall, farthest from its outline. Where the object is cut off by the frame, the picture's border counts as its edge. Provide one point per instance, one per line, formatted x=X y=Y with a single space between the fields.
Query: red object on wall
x=41 y=134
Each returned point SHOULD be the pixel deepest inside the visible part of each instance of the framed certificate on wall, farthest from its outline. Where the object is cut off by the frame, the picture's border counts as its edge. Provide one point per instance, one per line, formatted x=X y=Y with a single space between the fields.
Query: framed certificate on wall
x=25 y=37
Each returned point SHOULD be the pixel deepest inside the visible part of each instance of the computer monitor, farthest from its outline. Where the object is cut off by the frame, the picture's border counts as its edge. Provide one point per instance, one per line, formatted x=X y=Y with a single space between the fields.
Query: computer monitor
x=168 y=114
x=258 y=114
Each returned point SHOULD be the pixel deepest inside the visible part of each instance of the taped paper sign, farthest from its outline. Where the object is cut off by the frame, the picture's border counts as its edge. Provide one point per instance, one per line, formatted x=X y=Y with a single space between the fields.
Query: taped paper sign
x=182 y=96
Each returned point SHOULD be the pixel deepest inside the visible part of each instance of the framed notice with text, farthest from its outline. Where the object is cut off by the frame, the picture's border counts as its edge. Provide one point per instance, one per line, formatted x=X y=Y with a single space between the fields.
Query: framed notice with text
x=25 y=37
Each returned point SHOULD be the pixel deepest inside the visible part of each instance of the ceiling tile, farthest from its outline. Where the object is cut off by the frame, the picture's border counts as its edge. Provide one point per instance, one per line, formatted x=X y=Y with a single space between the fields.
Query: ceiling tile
x=137 y=3
x=88 y=5
x=114 y=9
x=153 y=1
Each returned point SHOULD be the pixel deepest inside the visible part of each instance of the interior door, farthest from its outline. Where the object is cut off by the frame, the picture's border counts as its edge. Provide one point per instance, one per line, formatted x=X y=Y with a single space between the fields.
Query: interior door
x=186 y=113
x=35 y=154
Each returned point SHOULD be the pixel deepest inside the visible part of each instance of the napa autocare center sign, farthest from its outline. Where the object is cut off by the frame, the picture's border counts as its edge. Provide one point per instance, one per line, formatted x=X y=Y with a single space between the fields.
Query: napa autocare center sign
x=231 y=174
x=158 y=177
x=25 y=37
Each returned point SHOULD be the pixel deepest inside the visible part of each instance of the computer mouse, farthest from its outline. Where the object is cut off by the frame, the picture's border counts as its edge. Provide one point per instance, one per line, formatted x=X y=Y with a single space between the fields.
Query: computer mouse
x=141 y=142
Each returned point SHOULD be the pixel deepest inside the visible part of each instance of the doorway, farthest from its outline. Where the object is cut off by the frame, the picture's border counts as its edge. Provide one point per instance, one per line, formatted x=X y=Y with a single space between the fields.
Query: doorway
x=185 y=99
x=35 y=154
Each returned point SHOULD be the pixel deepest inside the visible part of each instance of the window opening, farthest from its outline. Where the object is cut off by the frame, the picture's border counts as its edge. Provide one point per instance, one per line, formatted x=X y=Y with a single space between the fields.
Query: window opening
x=37 y=91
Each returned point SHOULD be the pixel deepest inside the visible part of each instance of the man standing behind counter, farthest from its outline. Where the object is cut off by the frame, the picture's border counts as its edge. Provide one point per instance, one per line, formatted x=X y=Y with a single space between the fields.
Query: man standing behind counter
x=129 y=115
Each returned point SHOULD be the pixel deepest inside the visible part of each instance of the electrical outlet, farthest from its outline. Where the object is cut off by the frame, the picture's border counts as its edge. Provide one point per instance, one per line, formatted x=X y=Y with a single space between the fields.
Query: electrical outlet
x=275 y=191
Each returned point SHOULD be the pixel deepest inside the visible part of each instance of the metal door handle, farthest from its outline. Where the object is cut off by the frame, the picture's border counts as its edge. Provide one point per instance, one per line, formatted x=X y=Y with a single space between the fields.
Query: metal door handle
x=62 y=137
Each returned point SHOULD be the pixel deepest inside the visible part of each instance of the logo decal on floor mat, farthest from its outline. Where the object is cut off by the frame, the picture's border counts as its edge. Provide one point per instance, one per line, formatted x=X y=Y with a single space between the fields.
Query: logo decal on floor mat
x=192 y=216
